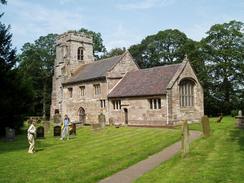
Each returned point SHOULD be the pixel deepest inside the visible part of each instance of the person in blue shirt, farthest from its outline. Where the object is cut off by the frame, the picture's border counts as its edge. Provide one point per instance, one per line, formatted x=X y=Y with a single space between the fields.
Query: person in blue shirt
x=65 y=132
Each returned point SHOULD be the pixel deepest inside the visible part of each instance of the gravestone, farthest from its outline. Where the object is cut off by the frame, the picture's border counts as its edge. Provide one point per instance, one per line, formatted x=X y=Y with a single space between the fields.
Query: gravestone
x=9 y=134
x=101 y=120
x=57 y=131
x=185 y=139
x=205 y=126
x=117 y=125
x=111 y=121
x=219 y=119
x=73 y=129
x=96 y=126
x=40 y=132
x=240 y=120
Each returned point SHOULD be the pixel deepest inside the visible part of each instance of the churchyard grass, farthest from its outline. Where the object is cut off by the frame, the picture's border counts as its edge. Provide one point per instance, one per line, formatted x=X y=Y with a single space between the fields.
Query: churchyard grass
x=88 y=157
x=218 y=158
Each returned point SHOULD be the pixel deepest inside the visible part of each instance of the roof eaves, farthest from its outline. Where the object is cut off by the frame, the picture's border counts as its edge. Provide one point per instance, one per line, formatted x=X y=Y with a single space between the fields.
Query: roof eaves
x=130 y=96
x=81 y=81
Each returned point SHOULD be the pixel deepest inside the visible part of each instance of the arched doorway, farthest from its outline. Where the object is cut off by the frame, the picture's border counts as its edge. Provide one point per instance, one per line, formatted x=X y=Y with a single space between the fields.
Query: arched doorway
x=82 y=115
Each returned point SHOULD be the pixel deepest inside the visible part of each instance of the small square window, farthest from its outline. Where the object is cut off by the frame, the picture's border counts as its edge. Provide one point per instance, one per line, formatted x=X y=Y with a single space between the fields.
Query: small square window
x=82 y=90
x=97 y=89
x=103 y=103
x=155 y=103
x=116 y=104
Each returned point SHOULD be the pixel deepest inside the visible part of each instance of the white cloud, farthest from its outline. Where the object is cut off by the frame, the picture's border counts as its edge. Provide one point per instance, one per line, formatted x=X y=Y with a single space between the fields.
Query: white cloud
x=122 y=37
x=144 y=4
x=33 y=20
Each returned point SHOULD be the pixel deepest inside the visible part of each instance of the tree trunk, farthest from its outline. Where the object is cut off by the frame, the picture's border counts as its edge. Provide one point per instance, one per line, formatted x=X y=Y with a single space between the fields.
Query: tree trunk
x=44 y=100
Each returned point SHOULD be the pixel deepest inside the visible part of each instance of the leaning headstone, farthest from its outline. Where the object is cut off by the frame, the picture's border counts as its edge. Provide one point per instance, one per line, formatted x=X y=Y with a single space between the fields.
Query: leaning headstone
x=205 y=126
x=219 y=119
x=73 y=129
x=57 y=131
x=185 y=139
x=240 y=120
x=101 y=120
x=9 y=134
x=40 y=132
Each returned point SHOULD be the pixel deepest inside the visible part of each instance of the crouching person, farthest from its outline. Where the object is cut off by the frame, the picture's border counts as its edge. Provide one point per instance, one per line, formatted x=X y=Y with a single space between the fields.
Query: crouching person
x=31 y=133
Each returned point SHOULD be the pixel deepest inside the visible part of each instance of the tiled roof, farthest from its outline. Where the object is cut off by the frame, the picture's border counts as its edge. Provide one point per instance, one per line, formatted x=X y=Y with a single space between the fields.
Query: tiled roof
x=145 y=82
x=95 y=70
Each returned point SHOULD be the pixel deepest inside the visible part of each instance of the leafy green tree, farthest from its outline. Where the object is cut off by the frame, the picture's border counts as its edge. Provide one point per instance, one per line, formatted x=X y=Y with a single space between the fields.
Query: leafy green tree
x=223 y=55
x=36 y=66
x=98 y=47
x=165 y=47
x=114 y=52
x=15 y=92
x=3 y=1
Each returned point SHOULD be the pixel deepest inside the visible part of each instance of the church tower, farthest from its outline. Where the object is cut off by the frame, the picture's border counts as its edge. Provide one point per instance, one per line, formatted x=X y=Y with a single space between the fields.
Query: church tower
x=72 y=50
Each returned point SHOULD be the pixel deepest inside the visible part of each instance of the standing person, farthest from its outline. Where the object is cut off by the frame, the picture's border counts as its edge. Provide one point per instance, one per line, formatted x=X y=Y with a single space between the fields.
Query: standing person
x=31 y=133
x=65 y=131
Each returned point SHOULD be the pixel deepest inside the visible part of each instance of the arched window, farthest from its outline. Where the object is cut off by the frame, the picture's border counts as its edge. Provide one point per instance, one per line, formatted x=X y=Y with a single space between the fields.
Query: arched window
x=80 y=53
x=187 y=93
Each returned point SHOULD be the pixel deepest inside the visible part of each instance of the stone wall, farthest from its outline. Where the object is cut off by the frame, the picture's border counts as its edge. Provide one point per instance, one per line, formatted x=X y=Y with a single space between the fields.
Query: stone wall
x=89 y=102
x=139 y=112
x=176 y=112
x=66 y=62
x=118 y=72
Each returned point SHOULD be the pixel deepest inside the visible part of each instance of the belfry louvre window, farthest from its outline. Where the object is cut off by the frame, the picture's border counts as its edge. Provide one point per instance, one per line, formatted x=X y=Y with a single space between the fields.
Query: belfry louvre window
x=186 y=93
x=97 y=89
x=116 y=104
x=155 y=103
x=80 y=55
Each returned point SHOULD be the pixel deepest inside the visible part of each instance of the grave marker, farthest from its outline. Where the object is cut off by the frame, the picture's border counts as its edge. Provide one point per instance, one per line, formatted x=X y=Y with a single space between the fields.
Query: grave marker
x=57 y=131
x=205 y=126
x=101 y=120
x=9 y=134
x=40 y=132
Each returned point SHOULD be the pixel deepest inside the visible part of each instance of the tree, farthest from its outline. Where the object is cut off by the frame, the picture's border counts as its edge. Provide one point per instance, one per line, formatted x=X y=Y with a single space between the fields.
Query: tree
x=98 y=47
x=223 y=55
x=3 y=1
x=165 y=47
x=36 y=65
x=114 y=52
x=15 y=92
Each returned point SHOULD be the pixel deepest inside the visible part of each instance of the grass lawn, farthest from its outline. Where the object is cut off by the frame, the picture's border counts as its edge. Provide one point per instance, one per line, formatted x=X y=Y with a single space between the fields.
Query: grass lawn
x=88 y=157
x=217 y=159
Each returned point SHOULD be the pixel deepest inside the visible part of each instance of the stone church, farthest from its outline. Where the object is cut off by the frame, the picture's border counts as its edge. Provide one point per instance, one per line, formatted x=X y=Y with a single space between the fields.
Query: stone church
x=118 y=88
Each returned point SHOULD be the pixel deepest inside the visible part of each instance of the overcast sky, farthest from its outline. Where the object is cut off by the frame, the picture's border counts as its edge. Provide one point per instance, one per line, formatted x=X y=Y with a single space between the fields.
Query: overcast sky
x=121 y=22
